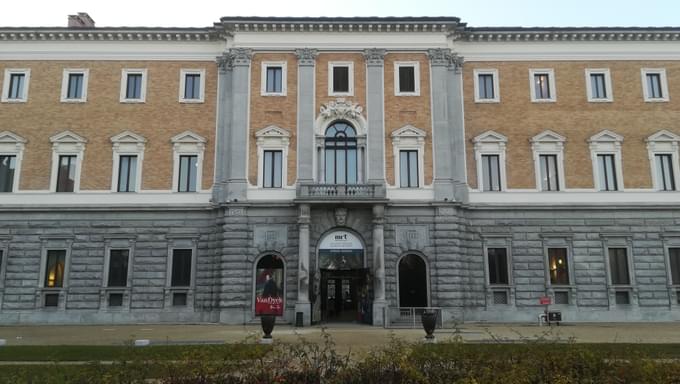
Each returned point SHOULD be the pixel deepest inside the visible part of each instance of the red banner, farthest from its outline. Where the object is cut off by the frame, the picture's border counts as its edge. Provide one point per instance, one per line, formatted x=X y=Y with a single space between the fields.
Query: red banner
x=268 y=305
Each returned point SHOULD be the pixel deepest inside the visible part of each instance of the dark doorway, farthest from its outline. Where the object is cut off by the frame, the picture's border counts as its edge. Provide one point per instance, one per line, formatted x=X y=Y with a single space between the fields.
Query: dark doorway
x=345 y=296
x=412 y=282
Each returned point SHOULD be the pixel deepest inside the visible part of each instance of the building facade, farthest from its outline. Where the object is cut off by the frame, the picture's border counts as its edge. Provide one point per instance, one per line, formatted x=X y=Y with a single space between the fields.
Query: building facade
x=338 y=169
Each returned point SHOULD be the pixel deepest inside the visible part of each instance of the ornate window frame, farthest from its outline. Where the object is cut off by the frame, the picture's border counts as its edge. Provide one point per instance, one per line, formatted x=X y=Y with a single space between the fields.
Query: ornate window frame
x=496 y=86
x=490 y=143
x=181 y=241
x=548 y=143
x=67 y=143
x=564 y=241
x=615 y=240
x=408 y=137
x=12 y=144
x=606 y=143
x=187 y=143
x=115 y=242
x=127 y=143
x=276 y=139
x=498 y=240
x=663 y=143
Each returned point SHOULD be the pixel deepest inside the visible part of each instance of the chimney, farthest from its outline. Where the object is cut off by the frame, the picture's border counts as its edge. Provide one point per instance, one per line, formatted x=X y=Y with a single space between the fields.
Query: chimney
x=81 y=20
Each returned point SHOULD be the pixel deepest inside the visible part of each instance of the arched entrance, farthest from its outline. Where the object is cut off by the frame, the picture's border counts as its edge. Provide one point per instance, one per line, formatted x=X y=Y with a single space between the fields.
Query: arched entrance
x=412 y=281
x=345 y=295
x=269 y=285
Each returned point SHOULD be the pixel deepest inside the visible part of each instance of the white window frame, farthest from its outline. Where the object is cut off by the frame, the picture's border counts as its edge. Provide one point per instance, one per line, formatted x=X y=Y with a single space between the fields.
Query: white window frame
x=408 y=138
x=607 y=85
x=284 y=78
x=272 y=138
x=548 y=143
x=350 y=89
x=187 y=143
x=182 y=84
x=65 y=81
x=496 y=86
x=127 y=143
x=606 y=143
x=551 y=86
x=490 y=143
x=664 y=85
x=5 y=85
x=67 y=143
x=416 y=73
x=12 y=144
x=123 y=85
x=663 y=143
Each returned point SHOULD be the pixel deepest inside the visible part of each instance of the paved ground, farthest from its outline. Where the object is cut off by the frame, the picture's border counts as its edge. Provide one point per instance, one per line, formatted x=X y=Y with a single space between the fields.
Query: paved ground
x=346 y=336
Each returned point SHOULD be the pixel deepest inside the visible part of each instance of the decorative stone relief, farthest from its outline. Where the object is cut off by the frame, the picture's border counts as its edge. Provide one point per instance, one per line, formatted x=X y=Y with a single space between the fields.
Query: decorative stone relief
x=412 y=237
x=341 y=109
x=224 y=62
x=375 y=57
x=240 y=56
x=270 y=237
x=306 y=56
x=237 y=211
x=445 y=58
x=340 y=216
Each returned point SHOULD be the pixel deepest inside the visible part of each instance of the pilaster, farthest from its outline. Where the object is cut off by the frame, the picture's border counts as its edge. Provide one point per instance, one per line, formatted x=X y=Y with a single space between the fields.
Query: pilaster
x=379 y=302
x=306 y=114
x=237 y=184
x=375 y=107
x=303 y=304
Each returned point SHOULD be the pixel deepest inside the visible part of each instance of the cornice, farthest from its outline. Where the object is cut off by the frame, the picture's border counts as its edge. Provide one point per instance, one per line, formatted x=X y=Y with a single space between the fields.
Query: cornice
x=106 y=34
x=340 y=24
x=503 y=34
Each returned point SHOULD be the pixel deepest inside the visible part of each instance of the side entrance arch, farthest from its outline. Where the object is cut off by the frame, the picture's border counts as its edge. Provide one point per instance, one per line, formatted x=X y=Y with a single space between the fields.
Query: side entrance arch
x=413 y=281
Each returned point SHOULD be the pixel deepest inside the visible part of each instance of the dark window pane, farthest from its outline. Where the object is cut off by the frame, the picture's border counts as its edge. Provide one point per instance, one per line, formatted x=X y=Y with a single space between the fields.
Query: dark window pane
x=54 y=268
x=486 y=88
x=618 y=266
x=491 y=173
x=622 y=297
x=408 y=169
x=341 y=154
x=66 y=174
x=75 y=86
x=341 y=79
x=179 y=299
x=274 y=79
x=542 y=86
x=134 y=86
x=52 y=300
x=654 y=86
x=272 y=169
x=607 y=170
x=674 y=256
x=16 y=86
x=598 y=86
x=118 y=267
x=192 y=86
x=7 y=167
x=498 y=265
x=664 y=172
x=127 y=173
x=558 y=265
x=187 y=173
x=407 y=79
x=115 y=300
x=549 y=176
x=181 y=268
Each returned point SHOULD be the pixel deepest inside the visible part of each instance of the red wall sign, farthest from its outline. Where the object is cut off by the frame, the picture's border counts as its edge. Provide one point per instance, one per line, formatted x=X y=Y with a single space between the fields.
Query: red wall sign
x=545 y=300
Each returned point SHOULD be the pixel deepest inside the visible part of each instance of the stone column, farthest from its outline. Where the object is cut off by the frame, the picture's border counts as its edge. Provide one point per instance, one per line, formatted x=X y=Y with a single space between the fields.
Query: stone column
x=379 y=302
x=375 y=62
x=457 y=127
x=224 y=64
x=303 y=305
x=306 y=113
x=440 y=60
x=237 y=183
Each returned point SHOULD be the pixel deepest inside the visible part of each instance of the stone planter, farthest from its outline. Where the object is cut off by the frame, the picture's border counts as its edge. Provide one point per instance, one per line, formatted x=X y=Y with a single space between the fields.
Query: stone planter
x=429 y=320
x=267 y=322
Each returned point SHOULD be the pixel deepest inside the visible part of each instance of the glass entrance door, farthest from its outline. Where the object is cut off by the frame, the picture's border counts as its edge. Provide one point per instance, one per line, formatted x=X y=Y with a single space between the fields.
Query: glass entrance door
x=345 y=296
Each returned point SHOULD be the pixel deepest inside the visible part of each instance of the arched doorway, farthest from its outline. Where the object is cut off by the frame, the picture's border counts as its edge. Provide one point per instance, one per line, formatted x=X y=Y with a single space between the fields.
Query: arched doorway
x=340 y=152
x=269 y=285
x=345 y=294
x=412 y=281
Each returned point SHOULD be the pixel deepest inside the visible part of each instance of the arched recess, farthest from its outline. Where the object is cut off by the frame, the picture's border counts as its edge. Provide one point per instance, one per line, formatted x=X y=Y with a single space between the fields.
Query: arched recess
x=413 y=281
x=269 y=284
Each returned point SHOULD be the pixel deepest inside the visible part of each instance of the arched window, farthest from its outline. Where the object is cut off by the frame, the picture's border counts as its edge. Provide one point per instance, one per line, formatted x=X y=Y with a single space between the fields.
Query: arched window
x=412 y=281
x=269 y=276
x=340 y=148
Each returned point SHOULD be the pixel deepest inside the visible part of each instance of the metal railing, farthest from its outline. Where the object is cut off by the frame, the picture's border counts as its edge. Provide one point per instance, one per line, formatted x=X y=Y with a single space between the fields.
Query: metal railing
x=409 y=317
x=340 y=191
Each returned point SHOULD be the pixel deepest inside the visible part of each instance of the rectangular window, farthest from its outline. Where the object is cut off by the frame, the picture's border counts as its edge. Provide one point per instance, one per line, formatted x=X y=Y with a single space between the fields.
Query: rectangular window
x=181 y=268
x=16 y=86
x=187 y=173
x=549 y=173
x=542 y=86
x=654 y=85
x=52 y=300
x=408 y=169
x=664 y=172
x=407 y=79
x=118 y=267
x=558 y=265
x=498 y=266
x=607 y=173
x=192 y=86
x=598 y=86
x=66 y=173
x=8 y=164
x=491 y=173
x=340 y=79
x=55 y=267
x=654 y=88
x=274 y=79
x=272 y=169
x=115 y=300
x=74 y=88
x=127 y=173
x=674 y=263
x=618 y=266
x=133 y=89
x=486 y=87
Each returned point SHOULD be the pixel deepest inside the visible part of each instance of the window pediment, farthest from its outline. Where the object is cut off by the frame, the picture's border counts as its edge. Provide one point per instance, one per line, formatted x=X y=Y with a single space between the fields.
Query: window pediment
x=273 y=135
x=408 y=134
x=341 y=109
x=605 y=141
x=189 y=141
x=68 y=141
x=128 y=141
x=547 y=141
x=663 y=136
x=11 y=137
x=490 y=140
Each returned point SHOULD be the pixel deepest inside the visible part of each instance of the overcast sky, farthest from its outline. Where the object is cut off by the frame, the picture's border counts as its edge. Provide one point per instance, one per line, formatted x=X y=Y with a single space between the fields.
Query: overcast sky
x=200 y=13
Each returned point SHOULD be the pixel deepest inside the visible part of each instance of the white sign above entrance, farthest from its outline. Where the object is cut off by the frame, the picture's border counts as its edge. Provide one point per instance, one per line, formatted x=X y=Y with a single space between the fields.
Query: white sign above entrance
x=340 y=240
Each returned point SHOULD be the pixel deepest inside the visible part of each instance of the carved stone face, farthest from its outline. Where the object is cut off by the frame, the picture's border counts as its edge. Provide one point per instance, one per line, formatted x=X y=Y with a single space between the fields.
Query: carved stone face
x=340 y=216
